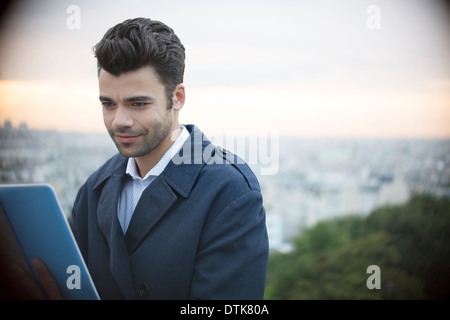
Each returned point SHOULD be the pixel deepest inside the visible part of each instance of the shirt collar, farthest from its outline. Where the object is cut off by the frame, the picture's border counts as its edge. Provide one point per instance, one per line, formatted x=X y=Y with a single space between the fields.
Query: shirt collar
x=163 y=162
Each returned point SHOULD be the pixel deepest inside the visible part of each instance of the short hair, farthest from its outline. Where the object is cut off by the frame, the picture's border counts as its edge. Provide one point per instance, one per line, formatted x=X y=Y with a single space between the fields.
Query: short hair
x=140 y=42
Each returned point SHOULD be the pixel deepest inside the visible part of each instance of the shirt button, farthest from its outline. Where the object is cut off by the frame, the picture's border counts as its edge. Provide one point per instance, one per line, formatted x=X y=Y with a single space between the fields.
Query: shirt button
x=143 y=290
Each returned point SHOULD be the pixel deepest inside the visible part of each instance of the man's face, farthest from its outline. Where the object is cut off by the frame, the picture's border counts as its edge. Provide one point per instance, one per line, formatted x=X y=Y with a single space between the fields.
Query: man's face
x=135 y=110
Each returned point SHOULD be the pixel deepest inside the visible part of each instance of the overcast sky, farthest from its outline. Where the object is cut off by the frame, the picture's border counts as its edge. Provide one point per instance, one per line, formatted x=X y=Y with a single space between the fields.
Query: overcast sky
x=305 y=68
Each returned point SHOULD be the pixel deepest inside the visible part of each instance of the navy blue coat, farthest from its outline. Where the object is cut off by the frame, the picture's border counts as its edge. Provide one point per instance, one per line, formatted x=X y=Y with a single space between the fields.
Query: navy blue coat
x=198 y=231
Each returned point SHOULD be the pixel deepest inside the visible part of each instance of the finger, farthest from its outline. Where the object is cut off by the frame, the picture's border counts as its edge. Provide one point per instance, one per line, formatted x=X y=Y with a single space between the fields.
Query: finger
x=48 y=282
x=23 y=285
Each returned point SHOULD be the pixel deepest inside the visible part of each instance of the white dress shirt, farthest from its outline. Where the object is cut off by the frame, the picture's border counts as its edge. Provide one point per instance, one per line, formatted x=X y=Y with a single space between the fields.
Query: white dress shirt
x=134 y=185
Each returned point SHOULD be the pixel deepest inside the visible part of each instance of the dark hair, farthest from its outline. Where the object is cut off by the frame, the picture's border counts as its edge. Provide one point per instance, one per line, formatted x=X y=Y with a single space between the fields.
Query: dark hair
x=140 y=42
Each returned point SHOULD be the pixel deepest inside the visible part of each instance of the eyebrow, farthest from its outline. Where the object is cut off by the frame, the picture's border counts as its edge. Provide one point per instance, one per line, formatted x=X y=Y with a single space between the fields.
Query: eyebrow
x=130 y=99
x=103 y=98
x=139 y=98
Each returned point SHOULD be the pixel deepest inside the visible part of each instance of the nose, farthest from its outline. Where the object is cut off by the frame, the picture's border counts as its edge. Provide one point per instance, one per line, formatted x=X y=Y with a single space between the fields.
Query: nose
x=122 y=118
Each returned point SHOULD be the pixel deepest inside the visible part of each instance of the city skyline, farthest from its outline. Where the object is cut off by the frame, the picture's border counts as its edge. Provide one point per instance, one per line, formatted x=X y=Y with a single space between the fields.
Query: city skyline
x=317 y=179
x=377 y=69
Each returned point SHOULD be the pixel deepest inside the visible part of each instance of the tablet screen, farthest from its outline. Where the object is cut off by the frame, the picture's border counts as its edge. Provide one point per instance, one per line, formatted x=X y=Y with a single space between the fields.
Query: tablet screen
x=41 y=230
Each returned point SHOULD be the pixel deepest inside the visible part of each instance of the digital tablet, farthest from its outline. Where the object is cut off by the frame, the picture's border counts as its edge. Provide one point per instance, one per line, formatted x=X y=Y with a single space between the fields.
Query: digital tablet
x=38 y=226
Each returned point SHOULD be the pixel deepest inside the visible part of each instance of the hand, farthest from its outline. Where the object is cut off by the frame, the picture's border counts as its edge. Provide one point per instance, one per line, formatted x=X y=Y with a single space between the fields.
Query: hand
x=26 y=287
x=48 y=282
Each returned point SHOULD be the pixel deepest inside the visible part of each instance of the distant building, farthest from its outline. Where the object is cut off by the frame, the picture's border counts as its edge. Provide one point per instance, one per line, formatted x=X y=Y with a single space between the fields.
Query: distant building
x=276 y=233
x=7 y=126
x=23 y=127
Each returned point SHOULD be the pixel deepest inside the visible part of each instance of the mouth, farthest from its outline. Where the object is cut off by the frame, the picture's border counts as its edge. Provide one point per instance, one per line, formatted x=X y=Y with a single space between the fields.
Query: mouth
x=125 y=138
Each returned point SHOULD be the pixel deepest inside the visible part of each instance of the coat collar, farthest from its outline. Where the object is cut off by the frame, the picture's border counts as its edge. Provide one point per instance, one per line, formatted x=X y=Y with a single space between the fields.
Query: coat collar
x=181 y=172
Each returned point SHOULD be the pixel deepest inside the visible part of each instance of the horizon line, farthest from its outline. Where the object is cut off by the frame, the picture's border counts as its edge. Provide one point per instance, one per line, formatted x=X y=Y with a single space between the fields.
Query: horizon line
x=24 y=126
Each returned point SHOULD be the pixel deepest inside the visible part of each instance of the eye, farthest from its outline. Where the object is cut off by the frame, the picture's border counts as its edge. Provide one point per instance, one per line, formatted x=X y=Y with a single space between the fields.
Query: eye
x=107 y=104
x=139 y=104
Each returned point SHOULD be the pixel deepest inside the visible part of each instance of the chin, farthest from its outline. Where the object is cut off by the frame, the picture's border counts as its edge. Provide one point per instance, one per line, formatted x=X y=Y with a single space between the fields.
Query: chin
x=130 y=153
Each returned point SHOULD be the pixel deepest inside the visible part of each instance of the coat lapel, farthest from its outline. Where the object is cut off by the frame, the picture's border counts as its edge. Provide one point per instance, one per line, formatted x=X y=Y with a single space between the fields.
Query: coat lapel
x=110 y=226
x=153 y=204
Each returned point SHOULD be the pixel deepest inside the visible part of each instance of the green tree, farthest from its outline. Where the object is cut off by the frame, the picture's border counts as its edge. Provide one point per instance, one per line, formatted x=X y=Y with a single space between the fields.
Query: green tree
x=410 y=244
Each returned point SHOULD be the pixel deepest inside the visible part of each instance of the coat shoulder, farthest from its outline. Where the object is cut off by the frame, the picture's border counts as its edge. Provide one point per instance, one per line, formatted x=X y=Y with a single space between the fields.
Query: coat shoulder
x=113 y=165
x=230 y=168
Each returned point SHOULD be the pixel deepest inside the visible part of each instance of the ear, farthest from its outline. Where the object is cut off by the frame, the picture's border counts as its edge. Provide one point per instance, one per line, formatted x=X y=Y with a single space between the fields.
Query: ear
x=178 y=98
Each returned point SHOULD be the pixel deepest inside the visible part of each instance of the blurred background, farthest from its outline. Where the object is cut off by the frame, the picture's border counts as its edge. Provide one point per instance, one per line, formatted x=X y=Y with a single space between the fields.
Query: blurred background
x=348 y=100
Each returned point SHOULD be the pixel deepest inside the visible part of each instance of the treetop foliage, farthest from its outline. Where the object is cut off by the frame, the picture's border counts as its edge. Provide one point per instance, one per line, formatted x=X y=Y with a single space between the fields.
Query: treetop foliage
x=410 y=243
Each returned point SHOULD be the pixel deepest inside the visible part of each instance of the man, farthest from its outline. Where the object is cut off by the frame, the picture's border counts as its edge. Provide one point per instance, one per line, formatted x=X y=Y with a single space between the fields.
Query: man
x=150 y=227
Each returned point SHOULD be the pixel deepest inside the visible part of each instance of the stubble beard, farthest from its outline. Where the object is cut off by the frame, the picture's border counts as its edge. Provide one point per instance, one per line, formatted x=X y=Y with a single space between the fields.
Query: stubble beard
x=147 y=140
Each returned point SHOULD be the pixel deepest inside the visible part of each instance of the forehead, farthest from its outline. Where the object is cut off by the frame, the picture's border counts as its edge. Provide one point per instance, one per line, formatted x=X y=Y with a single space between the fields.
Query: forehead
x=143 y=80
